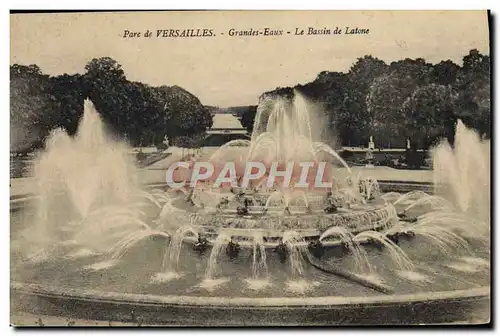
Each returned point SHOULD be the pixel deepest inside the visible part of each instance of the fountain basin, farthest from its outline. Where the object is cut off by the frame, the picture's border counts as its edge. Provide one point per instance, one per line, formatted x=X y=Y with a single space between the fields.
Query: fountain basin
x=64 y=288
x=420 y=308
x=107 y=233
x=347 y=304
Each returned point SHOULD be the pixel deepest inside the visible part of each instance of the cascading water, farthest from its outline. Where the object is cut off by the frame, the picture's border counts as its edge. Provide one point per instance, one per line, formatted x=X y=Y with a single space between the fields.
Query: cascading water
x=172 y=253
x=259 y=257
x=117 y=251
x=108 y=210
x=399 y=257
x=362 y=265
x=260 y=272
x=170 y=265
x=447 y=241
x=213 y=261
x=292 y=240
x=434 y=201
x=211 y=280
x=455 y=221
x=79 y=176
x=462 y=174
x=283 y=129
x=296 y=282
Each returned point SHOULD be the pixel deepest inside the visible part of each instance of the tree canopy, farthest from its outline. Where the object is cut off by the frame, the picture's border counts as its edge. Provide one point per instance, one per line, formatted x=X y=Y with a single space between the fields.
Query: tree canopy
x=410 y=98
x=135 y=112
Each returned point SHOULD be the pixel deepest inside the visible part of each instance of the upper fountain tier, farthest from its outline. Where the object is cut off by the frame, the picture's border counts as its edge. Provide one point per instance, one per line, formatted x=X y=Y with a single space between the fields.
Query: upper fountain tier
x=282 y=130
x=285 y=130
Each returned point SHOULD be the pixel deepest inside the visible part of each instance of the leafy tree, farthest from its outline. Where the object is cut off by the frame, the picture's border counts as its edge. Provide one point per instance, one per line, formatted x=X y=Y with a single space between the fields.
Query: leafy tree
x=473 y=86
x=67 y=97
x=477 y=63
x=248 y=117
x=445 y=73
x=188 y=115
x=429 y=114
x=106 y=85
x=29 y=107
x=386 y=96
x=354 y=116
x=329 y=88
x=104 y=69
x=384 y=100
x=146 y=117
x=418 y=69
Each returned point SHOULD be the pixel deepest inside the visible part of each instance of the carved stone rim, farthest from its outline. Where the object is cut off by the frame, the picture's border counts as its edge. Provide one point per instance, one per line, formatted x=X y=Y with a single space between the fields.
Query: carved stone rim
x=224 y=302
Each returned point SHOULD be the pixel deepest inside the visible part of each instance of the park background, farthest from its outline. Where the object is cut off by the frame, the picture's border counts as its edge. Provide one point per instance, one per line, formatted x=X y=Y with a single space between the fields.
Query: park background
x=408 y=99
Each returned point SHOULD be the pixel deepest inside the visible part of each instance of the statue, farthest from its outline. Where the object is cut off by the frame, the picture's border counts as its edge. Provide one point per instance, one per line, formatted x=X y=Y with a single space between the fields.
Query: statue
x=308 y=209
x=316 y=248
x=232 y=249
x=286 y=211
x=330 y=209
x=222 y=203
x=189 y=197
x=371 y=144
x=201 y=245
x=241 y=210
x=282 y=250
x=330 y=202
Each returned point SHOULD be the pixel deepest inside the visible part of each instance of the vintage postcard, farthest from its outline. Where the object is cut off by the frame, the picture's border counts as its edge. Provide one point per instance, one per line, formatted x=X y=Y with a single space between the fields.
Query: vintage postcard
x=250 y=168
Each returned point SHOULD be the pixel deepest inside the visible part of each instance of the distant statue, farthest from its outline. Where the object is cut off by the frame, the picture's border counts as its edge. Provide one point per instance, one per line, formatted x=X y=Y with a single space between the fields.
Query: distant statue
x=308 y=209
x=232 y=249
x=316 y=248
x=349 y=182
x=242 y=209
x=328 y=198
x=201 y=245
x=330 y=209
x=287 y=211
x=189 y=197
x=330 y=203
x=222 y=203
x=282 y=250
x=371 y=144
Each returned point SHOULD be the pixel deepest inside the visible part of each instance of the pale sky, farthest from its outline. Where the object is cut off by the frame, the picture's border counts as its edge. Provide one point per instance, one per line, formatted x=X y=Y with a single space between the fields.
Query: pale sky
x=229 y=71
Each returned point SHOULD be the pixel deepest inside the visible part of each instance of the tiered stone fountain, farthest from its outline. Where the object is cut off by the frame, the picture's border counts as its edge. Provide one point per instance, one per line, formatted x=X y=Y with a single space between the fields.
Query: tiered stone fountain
x=94 y=243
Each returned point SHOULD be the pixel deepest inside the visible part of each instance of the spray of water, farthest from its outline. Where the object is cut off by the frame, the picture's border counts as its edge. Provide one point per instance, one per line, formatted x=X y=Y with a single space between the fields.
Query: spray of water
x=410 y=196
x=259 y=257
x=447 y=241
x=398 y=256
x=172 y=254
x=88 y=179
x=434 y=201
x=362 y=265
x=455 y=221
x=462 y=174
x=217 y=249
x=295 y=247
